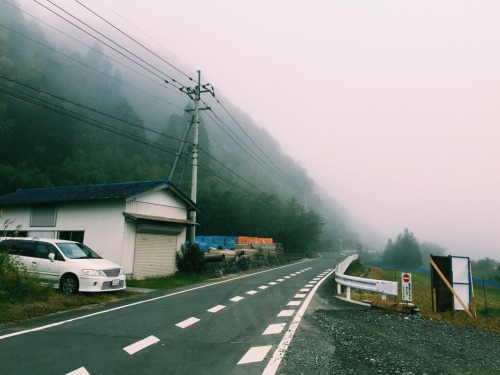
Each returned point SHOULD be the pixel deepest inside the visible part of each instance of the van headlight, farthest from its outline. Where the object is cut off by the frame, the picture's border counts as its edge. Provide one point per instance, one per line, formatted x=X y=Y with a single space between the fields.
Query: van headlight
x=93 y=272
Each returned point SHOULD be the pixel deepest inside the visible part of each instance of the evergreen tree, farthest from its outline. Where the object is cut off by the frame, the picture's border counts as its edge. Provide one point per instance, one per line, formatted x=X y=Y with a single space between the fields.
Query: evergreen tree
x=405 y=251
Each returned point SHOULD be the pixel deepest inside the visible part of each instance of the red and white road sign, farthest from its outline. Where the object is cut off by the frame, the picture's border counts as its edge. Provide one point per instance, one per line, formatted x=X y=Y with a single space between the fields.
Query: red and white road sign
x=406 y=287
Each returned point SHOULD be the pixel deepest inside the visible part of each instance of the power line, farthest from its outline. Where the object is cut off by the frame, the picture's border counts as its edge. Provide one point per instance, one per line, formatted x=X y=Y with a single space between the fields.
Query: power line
x=176 y=91
x=128 y=36
x=109 y=46
x=86 y=65
x=142 y=127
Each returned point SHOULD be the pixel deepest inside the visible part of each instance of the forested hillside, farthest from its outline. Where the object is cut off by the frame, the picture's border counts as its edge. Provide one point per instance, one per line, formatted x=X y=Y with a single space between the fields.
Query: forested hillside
x=74 y=111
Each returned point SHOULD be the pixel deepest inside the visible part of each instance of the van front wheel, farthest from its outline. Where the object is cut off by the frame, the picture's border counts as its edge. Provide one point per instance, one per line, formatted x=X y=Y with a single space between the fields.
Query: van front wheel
x=69 y=284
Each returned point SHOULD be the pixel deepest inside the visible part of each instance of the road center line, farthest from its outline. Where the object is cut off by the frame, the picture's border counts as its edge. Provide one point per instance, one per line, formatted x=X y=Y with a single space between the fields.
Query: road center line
x=216 y=308
x=255 y=354
x=187 y=322
x=274 y=329
x=79 y=371
x=144 y=301
x=139 y=345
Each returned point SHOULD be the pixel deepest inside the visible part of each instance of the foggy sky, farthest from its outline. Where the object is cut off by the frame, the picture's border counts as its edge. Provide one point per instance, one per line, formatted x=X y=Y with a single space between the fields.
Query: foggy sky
x=392 y=107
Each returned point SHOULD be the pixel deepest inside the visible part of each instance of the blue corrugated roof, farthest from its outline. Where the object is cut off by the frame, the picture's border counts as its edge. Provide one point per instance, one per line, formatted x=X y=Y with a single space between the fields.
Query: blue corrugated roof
x=121 y=190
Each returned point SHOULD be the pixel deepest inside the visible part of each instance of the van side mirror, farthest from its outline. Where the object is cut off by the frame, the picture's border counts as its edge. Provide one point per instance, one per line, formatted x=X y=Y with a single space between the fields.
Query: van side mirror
x=52 y=256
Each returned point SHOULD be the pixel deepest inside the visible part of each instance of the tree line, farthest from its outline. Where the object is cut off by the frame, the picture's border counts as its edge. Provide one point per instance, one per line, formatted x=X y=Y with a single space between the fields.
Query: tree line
x=42 y=146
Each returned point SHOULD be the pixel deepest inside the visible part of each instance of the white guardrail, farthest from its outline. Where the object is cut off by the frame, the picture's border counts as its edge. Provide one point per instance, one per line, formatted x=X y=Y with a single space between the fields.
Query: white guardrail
x=379 y=286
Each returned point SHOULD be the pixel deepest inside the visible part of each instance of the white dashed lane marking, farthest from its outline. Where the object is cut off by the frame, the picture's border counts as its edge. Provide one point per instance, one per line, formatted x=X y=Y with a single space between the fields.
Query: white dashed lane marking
x=272 y=283
x=293 y=303
x=187 y=322
x=79 y=371
x=309 y=286
x=274 y=329
x=305 y=290
x=251 y=292
x=287 y=277
x=139 y=345
x=263 y=287
x=280 y=280
x=255 y=354
x=216 y=308
x=236 y=299
x=286 y=313
x=301 y=295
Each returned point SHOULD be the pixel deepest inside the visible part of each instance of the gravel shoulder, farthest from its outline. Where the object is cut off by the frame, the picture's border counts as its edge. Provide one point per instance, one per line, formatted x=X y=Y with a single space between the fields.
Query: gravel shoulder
x=337 y=337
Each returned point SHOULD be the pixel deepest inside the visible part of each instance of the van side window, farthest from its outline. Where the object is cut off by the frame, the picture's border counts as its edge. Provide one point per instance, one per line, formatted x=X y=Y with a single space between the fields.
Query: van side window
x=44 y=249
x=23 y=248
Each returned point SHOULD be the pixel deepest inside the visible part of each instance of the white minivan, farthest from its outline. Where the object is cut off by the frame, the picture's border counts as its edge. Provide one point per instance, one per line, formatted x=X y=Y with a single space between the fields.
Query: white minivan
x=70 y=266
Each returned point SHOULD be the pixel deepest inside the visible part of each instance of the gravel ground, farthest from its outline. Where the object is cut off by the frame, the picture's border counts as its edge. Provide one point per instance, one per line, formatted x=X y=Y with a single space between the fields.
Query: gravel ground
x=335 y=337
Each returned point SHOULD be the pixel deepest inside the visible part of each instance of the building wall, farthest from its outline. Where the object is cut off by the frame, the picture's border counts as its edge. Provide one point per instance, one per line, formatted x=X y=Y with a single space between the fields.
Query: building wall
x=102 y=222
x=106 y=229
x=160 y=203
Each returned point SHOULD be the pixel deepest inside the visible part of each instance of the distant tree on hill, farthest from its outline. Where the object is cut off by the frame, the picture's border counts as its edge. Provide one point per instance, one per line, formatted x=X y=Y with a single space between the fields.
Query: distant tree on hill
x=405 y=251
x=428 y=248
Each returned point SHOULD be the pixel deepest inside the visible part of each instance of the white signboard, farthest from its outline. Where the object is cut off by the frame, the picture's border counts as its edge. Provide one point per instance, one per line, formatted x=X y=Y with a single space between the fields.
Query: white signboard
x=461 y=282
x=406 y=287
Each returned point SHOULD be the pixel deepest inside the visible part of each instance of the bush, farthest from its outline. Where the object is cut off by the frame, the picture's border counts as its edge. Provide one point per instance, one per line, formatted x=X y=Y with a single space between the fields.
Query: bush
x=15 y=282
x=191 y=260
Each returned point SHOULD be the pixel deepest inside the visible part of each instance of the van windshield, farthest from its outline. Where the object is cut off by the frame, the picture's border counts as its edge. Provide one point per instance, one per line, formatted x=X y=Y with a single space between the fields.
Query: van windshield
x=77 y=251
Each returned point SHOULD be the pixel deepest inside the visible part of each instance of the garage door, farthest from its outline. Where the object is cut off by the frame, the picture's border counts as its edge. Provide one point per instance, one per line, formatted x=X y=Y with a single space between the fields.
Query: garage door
x=154 y=255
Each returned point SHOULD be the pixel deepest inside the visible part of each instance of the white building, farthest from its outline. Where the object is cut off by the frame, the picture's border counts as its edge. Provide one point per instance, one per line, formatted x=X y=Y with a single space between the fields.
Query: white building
x=139 y=225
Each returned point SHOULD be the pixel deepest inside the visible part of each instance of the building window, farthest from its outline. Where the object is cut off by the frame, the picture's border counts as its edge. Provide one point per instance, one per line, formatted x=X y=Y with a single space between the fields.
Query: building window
x=71 y=235
x=43 y=215
x=41 y=233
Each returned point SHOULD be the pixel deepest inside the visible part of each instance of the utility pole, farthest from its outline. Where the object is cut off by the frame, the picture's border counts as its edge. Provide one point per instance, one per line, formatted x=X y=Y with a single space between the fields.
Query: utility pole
x=195 y=95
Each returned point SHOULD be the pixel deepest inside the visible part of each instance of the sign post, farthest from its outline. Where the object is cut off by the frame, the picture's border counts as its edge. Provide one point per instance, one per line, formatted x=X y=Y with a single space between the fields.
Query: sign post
x=406 y=292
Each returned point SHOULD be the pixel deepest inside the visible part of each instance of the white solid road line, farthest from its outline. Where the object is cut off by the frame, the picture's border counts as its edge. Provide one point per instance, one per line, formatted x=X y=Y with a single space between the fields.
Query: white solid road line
x=255 y=354
x=188 y=322
x=272 y=366
x=139 y=345
x=2 y=337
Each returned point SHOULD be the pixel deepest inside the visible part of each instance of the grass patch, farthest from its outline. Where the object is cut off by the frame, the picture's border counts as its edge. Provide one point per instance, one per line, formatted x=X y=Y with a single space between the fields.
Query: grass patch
x=488 y=312
x=167 y=282
x=52 y=301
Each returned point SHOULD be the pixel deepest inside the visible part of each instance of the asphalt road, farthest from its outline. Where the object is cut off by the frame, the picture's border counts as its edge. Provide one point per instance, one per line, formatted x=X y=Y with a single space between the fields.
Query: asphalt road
x=239 y=325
